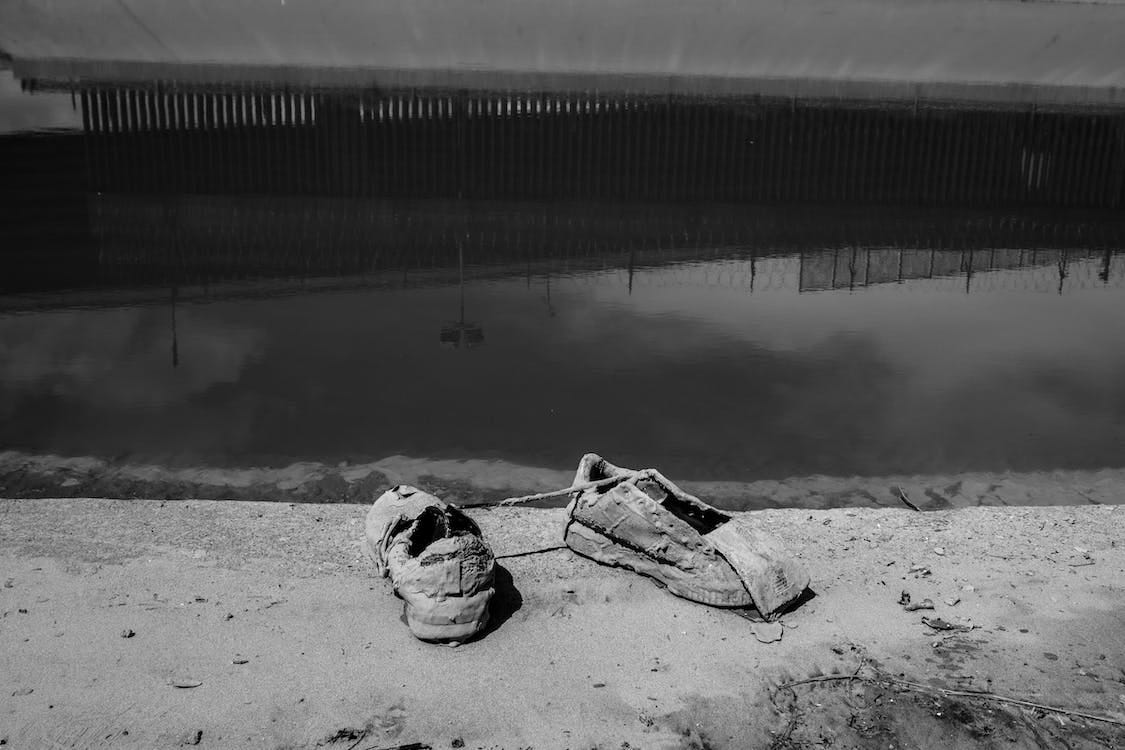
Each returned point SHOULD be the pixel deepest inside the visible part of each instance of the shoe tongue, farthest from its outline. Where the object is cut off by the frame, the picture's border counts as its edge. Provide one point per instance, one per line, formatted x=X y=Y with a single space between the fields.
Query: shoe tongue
x=652 y=488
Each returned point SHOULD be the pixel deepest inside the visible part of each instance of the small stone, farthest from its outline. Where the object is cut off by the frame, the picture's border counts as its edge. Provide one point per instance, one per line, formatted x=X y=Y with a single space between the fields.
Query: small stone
x=968 y=587
x=953 y=601
x=128 y=633
x=186 y=683
x=939 y=550
x=22 y=691
x=240 y=660
x=767 y=632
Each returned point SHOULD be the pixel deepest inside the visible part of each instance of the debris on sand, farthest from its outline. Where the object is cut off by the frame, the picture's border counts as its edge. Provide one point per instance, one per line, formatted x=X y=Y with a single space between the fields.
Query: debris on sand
x=939 y=624
x=906 y=501
x=768 y=632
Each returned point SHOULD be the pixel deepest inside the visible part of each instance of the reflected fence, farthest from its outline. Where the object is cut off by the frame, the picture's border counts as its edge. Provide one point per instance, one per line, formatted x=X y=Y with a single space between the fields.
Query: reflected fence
x=254 y=139
x=178 y=184
x=200 y=240
x=858 y=269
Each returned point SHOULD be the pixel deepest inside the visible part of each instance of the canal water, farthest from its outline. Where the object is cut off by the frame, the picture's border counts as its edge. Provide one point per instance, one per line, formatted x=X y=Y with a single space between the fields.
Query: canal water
x=243 y=273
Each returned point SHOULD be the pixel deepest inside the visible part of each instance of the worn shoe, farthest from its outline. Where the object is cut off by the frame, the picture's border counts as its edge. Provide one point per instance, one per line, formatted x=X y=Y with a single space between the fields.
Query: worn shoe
x=436 y=560
x=641 y=521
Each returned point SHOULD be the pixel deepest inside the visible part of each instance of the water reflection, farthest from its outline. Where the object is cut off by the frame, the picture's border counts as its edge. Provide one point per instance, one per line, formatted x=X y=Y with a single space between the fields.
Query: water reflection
x=732 y=290
x=20 y=112
x=542 y=145
x=708 y=379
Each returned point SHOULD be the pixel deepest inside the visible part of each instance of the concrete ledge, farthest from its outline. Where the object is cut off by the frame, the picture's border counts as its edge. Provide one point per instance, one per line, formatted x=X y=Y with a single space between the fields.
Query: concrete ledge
x=275 y=612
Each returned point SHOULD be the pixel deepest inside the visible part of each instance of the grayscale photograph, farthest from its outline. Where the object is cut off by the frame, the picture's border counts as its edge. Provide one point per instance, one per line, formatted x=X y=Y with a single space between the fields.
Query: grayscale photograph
x=562 y=374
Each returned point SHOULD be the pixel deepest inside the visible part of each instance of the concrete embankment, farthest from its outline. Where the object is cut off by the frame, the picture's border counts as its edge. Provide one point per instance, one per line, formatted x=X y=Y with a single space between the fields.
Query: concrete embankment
x=262 y=625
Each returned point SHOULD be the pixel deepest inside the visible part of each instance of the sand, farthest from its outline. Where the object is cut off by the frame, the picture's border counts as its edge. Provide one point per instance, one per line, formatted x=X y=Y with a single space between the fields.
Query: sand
x=275 y=615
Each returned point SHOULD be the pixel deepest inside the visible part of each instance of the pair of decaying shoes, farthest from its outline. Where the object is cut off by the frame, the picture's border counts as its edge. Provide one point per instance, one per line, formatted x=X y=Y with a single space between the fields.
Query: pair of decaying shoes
x=638 y=520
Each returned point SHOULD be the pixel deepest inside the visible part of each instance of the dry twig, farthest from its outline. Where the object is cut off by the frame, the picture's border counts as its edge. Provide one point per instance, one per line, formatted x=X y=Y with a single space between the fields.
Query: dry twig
x=532 y=552
x=826 y=678
x=981 y=694
x=905 y=499
x=985 y=695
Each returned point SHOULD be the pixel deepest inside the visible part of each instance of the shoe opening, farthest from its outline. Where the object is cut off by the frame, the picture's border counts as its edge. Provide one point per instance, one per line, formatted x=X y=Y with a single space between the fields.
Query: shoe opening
x=700 y=517
x=434 y=524
x=430 y=526
x=600 y=470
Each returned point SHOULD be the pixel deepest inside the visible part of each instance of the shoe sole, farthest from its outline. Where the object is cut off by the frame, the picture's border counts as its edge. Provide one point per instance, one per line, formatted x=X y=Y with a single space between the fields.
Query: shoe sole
x=723 y=592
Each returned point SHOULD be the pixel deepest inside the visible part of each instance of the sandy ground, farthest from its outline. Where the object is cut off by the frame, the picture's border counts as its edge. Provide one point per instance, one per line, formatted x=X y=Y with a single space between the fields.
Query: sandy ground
x=273 y=613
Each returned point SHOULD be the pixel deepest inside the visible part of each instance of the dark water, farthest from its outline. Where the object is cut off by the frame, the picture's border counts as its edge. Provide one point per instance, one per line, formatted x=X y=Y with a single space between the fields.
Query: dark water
x=725 y=289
